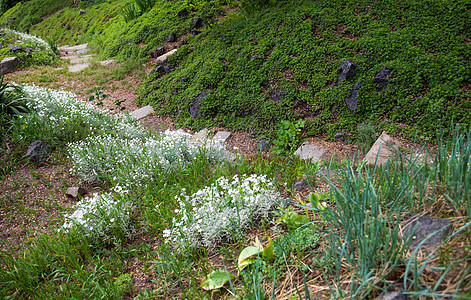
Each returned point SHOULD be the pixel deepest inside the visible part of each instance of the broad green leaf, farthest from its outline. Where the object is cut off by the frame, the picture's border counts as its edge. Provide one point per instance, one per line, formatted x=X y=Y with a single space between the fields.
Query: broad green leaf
x=314 y=199
x=245 y=255
x=215 y=280
x=268 y=252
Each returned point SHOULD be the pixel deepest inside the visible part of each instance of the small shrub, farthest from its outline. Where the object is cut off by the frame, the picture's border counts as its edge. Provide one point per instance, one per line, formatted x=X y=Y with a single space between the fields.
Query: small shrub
x=12 y=103
x=287 y=136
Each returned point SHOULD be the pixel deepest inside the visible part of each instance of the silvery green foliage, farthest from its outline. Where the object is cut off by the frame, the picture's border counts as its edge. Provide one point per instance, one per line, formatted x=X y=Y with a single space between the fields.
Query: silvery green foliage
x=103 y=216
x=213 y=213
x=32 y=40
x=134 y=160
x=60 y=108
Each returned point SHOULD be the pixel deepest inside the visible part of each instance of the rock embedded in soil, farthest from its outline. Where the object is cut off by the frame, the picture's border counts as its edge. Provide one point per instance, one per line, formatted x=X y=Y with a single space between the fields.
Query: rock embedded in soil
x=346 y=70
x=183 y=12
x=351 y=101
x=381 y=78
x=221 y=136
x=310 y=151
x=263 y=145
x=393 y=296
x=142 y=112
x=342 y=136
x=75 y=192
x=197 y=22
x=38 y=151
x=383 y=149
x=9 y=64
x=15 y=48
x=300 y=186
x=163 y=58
x=196 y=105
x=171 y=38
x=77 y=68
x=438 y=228
x=157 y=52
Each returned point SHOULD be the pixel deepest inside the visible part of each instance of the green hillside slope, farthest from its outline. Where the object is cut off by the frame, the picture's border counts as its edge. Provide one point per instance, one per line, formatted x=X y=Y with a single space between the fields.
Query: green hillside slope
x=281 y=62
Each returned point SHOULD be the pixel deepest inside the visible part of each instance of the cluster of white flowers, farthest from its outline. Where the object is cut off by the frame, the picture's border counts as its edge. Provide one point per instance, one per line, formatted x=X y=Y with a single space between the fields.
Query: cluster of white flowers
x=31 y=40
x=55 y=107
x=102 y=216
x=134 y=160
x=213 y=213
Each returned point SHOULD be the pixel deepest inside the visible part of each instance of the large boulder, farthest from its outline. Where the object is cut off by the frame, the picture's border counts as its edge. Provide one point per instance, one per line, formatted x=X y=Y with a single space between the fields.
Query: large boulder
x=38 y=151
x=9 y=64
x=346 y=70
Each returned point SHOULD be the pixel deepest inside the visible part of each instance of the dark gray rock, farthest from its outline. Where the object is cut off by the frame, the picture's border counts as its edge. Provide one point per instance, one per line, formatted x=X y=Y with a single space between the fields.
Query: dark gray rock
x=183 y=13
x=15 y=48
x=75 y=192
x=351 y=101
x=81 y=12
x=342 y=136
x=263 y=145
x=171 y=38
x=196 y=105
x=38 y=151
x=300 y=186
x=157 y=52
x=381 y=78
x=161 y=69
x=183 y=43
x=195 y=32
x=277 y=96
x=197 y=22
x=426 y=226
x=219 y=12
x=9 y=64
x=392 y=296
x=346 y=70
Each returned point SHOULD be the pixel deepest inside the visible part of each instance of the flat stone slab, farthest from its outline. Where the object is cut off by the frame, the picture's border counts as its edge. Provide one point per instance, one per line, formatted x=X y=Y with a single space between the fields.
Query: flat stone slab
x=221 y=136
x=78 y=68
x=82 y=51
x=73 y=48
x=201 y=136
x=310 y=151
x=161 y=59
x=81 y=59
x=142 y=112
x=382 y=149
x=109 y=62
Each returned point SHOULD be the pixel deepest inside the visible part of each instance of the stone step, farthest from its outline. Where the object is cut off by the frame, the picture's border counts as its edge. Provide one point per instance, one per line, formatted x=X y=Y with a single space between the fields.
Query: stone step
x=67 y=48
x=78 y=68
x=142 y=112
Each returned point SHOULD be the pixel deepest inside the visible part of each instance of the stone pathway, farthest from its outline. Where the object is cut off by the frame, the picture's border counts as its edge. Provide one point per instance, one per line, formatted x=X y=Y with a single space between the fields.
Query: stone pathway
x=74 y=54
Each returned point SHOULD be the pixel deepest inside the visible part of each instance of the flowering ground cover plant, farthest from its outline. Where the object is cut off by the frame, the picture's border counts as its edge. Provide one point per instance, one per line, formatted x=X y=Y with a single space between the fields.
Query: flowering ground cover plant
x=136 y=160
x=103 y=217
x=219 y=211
x=61 y=116
x=41 y=52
